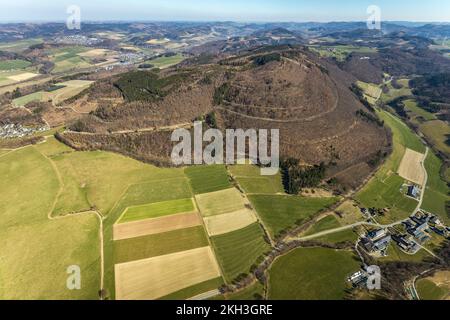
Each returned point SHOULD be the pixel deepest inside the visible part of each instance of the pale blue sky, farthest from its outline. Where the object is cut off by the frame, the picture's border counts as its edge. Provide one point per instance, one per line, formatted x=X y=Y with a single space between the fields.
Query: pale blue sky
x=236 y=10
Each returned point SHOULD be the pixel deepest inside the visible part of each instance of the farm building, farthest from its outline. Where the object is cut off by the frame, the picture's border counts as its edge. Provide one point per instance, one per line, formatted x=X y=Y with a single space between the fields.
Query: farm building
x=413 y=191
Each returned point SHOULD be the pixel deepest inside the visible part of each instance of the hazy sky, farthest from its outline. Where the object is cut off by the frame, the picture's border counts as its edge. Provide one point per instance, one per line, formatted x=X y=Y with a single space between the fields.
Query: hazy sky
x=236 y=10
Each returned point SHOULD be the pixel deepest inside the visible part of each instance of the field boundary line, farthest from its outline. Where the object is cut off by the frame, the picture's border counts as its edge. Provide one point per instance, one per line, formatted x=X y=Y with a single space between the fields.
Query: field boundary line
x=210 y=243
x=255 y=212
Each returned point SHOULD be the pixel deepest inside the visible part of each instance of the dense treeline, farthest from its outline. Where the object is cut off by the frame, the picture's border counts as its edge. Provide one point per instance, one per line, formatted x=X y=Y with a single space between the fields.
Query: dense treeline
x=435 y=87
x=221 y=93
x=369 y=117
x=147 y=86
x=265 y=59
x=297 y=177
x=399 y=106
x=428 y=105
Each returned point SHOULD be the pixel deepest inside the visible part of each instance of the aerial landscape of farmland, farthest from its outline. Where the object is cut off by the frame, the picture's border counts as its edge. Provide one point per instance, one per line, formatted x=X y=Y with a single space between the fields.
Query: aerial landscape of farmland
x=162 y=156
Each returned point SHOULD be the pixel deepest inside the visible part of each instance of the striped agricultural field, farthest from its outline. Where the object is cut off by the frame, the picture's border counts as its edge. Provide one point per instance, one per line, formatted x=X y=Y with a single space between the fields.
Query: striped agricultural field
x=160 y=276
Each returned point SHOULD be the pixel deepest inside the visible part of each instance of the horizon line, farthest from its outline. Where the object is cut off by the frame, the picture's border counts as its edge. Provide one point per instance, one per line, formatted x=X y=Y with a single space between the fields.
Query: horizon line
x=224 y=21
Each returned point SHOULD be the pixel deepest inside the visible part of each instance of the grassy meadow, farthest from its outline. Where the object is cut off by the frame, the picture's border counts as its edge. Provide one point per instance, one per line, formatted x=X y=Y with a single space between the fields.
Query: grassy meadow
x=437 y=132
x=36 y=250
x=220 y=202
x=16 y=64
x=279 y=212
x=19 y=46
x=205 y=179
x=428 y=290
x=155 y=210
x=437 y=191
x=311 y=274
x=252 y=182
x=166 y=62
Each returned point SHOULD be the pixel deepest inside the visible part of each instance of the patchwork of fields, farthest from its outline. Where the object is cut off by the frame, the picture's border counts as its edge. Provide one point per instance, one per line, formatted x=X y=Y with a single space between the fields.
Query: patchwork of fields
x=161 y=248
x=64 y=91
x=157 y=277
x=237 y=238
x=177 y=233
x=383 y=191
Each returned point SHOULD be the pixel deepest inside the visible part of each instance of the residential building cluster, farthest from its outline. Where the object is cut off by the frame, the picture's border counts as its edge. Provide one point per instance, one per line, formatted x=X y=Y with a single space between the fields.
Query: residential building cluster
x=18 y=131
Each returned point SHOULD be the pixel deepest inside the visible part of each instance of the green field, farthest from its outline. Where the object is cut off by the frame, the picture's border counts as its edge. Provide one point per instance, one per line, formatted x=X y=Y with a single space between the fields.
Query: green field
x=155 y=210
x=437 y=192
x=438 y=132
x=66 y=59
x=383 y=191
x=19 y=46
x=412 y=106
x=37 y=251
x=66 y=91
x=282 y=212
x=33 y=97
x=252 y=182
x=194 y=290
x=428 y=290
x=238 y=251
x=394 y=253
x=165 y=62
x=402 y=134
x=206 y=179
x=311 y=274
x=220 y=202
x=340 y=52
x=327 y=223
x=4 y=78
x=159 y=244
x=396 y=93
x=339 y=237
x=110 y=183
x=174 y=186
x=74 y=197
x=371 y=91
x=70 y=64
x=14 y=64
